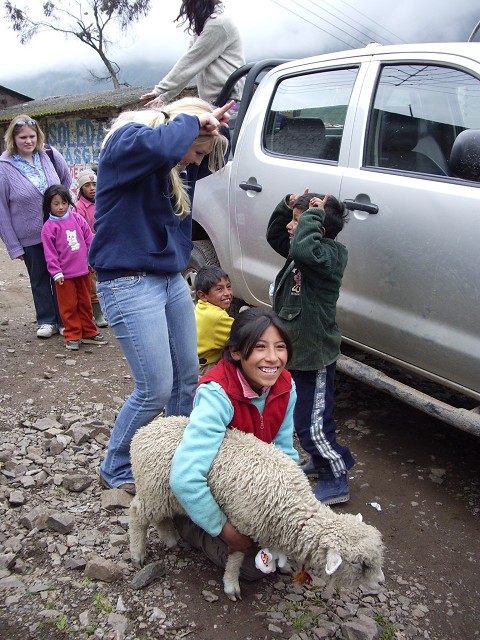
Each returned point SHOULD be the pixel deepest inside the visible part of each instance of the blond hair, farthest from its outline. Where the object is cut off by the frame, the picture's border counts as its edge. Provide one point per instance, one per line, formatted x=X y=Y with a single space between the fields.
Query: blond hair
x=9 y=137
x=154 y=118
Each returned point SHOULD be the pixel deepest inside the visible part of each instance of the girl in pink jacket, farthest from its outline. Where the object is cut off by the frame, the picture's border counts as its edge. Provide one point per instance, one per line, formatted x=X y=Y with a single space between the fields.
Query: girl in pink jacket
x=66 y=238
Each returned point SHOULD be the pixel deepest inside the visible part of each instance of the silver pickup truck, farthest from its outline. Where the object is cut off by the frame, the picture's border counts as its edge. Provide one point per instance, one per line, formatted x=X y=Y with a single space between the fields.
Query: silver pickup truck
x=394 y=132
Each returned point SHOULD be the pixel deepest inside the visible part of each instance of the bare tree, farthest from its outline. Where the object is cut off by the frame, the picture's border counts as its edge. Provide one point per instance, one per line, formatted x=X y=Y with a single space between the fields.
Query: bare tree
x=88 y=21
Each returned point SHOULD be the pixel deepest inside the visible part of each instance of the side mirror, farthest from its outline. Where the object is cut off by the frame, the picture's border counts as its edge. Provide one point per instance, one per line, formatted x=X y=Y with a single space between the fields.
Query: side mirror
x=465 y=156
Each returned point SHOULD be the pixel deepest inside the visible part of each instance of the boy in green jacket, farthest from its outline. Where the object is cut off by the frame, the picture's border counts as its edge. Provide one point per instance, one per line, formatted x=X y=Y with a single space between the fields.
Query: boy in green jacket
x=303 y=229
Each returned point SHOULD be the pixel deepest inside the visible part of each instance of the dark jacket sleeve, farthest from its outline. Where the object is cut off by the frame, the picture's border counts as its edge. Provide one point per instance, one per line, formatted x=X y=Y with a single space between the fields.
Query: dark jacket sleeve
x=277 y=234
x=309 y=249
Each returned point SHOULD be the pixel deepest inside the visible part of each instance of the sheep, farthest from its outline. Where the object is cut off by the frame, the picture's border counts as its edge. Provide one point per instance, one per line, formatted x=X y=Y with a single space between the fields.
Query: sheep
x=265 y=495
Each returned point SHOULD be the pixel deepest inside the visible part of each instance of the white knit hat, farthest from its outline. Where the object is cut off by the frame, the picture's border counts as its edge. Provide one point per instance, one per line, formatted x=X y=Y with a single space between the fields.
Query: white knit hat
x=87 y=175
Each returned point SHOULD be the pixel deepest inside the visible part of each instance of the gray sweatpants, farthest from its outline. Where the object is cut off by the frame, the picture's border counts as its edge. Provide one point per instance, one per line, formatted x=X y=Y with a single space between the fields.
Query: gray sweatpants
x=215 y=549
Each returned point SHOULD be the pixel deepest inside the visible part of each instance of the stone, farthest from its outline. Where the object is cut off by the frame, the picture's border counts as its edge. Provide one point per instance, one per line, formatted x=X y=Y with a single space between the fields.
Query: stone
x=36 y=518
x=75 y=564
x=7 y=560
x=120 y=624
x=113 y=498
x=209 y=596
x=148 y=574
x=16 y=498
x=46 y=423
x=76 y=482
x=61 y=522
x=101 y=569
x=362 y=628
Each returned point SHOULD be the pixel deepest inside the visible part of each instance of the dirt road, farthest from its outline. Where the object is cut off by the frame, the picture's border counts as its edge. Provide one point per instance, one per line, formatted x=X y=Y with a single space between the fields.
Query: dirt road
x=424 y=475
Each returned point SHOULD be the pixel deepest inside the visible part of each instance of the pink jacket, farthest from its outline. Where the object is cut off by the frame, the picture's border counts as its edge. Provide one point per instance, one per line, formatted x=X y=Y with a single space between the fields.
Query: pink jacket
x=66 y=242
x=87 y=210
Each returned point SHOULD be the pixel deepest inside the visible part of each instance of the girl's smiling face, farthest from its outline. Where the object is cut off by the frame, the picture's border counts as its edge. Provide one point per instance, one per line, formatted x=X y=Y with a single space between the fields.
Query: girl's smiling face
x=267 y=360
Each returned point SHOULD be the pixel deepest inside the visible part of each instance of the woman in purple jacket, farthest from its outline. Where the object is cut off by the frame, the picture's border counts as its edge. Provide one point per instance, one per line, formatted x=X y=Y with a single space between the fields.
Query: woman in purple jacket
x=25 y=172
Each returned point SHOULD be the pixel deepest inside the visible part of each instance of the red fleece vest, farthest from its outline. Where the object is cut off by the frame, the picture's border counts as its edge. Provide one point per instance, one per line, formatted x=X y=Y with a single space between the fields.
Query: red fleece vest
x=246 y=416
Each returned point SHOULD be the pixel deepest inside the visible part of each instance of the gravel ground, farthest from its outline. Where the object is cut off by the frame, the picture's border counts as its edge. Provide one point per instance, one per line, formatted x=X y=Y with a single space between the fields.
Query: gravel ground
x=65 y=570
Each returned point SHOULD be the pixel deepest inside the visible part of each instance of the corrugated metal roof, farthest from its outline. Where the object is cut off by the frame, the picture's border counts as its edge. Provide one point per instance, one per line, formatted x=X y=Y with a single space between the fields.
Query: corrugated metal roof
x=61 y=105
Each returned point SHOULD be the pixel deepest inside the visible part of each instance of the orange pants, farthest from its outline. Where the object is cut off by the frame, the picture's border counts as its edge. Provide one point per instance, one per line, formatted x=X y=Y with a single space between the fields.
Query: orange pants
x=76 y=308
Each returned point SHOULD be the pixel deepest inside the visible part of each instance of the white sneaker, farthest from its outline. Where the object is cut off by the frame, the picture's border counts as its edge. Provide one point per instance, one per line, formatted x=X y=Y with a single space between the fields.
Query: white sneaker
x=46 y=330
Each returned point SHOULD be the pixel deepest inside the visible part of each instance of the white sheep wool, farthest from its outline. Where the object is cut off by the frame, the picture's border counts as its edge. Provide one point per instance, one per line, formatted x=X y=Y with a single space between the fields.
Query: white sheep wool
x=287 y=516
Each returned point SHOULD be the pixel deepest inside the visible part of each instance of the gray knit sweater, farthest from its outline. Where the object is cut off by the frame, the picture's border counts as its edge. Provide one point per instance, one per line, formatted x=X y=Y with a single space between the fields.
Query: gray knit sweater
x=211 y=57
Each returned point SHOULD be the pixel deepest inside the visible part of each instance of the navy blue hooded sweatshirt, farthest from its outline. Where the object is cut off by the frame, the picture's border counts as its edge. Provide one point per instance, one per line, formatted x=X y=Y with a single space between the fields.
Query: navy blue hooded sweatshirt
x=136 y=228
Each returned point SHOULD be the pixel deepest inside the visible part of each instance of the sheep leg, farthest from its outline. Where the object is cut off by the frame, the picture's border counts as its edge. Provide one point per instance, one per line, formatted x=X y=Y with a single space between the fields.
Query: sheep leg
x=231 y=584
x=137 y=528
x=167 y=532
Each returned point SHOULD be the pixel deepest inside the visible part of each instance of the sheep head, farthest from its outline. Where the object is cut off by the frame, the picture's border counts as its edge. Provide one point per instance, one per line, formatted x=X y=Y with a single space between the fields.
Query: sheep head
x=347 y=550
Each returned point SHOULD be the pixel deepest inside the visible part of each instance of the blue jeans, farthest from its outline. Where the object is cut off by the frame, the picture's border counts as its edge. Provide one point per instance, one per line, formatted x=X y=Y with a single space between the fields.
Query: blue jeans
x=43 y=288
x=153 y=320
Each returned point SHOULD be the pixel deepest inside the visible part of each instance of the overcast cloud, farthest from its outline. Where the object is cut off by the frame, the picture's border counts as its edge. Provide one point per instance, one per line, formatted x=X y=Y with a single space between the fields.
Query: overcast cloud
x=270 y=28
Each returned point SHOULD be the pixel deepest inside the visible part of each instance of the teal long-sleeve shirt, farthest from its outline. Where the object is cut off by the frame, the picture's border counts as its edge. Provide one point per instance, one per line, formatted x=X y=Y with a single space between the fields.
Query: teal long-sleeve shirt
x=212 y=412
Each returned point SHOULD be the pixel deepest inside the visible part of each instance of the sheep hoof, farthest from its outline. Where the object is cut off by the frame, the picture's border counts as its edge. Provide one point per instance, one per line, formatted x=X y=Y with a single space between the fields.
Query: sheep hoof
x=232 y=591
x=234 y=597
x=137 y=560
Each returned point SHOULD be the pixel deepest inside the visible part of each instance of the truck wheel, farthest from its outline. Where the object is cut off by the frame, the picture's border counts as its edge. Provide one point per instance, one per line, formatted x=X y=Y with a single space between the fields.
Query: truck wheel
x=203 y=254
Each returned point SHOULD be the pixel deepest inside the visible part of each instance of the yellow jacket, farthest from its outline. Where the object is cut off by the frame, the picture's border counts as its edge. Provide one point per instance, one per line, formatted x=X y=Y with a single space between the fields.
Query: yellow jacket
x=213 y=330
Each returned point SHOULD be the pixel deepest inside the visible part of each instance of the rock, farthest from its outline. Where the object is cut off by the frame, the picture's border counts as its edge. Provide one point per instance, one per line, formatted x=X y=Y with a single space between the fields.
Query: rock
x=113 y=498
x=76 y=482
x=362 y=628
x=46 y=423
x=326 y=630
x=11 y=582
x=85 y=618
x=80 y=434
x=61 y=522
x=57 y=444
x=120 y=625
x=36 y=518
x=148 y=574
x=100 y=569
x=209 y=596
x=7 y=560
x=75 y=564
x=16 y=498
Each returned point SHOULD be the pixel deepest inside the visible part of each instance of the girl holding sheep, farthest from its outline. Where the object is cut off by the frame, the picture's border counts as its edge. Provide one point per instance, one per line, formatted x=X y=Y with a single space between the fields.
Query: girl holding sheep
x=250 y=390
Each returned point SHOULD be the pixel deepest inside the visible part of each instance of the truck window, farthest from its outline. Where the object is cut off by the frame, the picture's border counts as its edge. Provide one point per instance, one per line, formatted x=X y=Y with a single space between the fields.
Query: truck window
x=417 y=113
x=307 y=114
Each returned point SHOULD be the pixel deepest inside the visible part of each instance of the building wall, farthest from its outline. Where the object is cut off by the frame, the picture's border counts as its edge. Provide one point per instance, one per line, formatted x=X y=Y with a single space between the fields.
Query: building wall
x=9 y=100
x=79 y=141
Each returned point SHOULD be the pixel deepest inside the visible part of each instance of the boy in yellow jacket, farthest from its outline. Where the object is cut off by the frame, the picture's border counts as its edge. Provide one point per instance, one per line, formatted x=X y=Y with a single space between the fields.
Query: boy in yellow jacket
x=214 y=293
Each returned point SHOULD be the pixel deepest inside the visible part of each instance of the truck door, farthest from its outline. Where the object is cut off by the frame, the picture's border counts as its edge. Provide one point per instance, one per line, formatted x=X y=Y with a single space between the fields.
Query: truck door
x=411 y=289
x=294 y=136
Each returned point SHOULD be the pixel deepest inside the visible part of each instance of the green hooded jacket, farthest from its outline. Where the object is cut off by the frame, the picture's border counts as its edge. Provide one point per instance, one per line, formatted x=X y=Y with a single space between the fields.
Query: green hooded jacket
x=307 y=288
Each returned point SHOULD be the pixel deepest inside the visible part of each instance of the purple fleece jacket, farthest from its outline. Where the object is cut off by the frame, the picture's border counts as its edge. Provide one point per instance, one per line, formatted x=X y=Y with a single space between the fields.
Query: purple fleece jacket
x=21 y=216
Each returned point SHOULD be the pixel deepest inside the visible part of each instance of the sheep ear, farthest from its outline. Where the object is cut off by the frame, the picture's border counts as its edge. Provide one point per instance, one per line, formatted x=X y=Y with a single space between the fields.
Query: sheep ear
x=334 y=560
x=359 y=517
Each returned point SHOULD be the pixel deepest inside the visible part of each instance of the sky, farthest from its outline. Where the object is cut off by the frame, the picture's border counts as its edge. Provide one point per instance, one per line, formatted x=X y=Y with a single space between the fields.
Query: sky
x=269 y=28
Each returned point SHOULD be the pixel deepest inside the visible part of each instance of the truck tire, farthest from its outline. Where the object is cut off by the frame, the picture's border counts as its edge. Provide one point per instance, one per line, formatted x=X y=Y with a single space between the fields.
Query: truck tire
x=203 y=254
